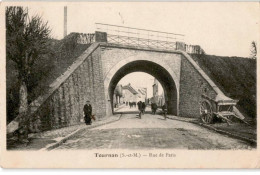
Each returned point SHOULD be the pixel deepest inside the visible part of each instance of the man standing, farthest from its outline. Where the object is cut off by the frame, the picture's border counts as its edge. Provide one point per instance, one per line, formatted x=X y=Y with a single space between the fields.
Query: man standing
x=143 y=107
x=87 y=112
x=164 y=109
x=139 y=104
x=154 y=108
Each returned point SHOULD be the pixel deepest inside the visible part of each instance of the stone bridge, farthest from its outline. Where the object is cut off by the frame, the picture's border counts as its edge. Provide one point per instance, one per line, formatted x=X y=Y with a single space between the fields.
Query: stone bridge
x=95 y=74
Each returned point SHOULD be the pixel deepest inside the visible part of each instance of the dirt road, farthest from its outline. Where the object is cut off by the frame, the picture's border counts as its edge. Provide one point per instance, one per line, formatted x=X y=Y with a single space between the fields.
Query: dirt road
x=151 y=132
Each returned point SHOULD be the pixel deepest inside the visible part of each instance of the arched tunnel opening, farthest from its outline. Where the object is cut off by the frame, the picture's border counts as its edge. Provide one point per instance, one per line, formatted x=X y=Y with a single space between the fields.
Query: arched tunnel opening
x=155 y=70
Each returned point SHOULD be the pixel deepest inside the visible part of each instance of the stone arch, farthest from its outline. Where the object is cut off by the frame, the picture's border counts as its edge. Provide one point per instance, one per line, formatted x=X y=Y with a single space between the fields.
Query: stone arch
x=152 y=66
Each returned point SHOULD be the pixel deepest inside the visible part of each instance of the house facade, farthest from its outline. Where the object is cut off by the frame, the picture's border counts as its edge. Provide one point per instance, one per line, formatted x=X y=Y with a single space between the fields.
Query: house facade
x=157 y=98
x=118 y=94
x=133 y=94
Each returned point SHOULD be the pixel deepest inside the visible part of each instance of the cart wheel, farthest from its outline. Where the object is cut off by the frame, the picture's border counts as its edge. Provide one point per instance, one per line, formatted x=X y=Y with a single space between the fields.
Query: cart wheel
x=206 y=113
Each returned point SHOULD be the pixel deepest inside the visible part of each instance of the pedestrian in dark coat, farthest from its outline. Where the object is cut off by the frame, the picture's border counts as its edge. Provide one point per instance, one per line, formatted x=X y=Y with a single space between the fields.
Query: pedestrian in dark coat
x=143 y=107
x=139 y=104
x=164 y=109
x=154 y=108
x=87 y=112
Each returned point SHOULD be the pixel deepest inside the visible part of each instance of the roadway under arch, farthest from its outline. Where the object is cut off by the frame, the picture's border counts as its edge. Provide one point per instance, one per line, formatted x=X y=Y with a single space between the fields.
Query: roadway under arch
x=154 y=69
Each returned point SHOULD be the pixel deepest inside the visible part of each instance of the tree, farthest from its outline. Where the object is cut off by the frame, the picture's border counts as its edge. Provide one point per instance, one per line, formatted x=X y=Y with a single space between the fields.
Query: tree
x=253 y=50
x=26 y=41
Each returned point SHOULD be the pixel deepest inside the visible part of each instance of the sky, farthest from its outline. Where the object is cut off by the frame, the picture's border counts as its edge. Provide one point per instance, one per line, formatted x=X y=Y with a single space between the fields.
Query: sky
x=224 y=29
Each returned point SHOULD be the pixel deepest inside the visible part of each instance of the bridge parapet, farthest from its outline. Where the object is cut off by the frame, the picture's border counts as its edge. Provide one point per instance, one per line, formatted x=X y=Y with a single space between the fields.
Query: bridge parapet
x=85 y=38
x=89 y=38
x=152 y=39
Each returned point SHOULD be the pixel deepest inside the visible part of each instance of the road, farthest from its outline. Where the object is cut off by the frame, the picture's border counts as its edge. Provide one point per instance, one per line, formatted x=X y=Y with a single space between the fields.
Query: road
x=151 y=132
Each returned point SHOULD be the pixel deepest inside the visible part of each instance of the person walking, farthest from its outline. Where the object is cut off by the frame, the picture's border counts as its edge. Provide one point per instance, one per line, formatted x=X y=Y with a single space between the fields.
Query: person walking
x=139 y=104
x=87 y=112
x=143 y=107
x=154 y=108
x=164 y=109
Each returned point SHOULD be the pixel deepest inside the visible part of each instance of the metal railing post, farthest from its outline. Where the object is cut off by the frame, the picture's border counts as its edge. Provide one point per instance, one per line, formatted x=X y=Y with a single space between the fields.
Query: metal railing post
x=151 y=38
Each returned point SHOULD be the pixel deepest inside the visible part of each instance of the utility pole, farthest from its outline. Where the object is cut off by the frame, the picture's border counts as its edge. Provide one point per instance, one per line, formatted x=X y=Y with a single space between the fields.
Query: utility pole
x=65 y=21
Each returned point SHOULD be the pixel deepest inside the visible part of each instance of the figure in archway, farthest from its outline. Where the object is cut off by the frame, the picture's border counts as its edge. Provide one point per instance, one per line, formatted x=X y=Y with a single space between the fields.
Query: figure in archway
x=139 y=104
x=161 y=72
x=164 y=110
x=143 y=107
x=154 y=108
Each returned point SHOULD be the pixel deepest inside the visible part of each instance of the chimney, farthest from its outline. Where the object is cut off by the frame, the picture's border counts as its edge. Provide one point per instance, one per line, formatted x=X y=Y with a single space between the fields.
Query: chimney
x=65 y=21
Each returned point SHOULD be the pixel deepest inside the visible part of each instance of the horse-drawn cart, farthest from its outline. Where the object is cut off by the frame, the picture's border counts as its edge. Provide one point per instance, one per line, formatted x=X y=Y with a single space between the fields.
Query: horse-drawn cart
x=222 y=108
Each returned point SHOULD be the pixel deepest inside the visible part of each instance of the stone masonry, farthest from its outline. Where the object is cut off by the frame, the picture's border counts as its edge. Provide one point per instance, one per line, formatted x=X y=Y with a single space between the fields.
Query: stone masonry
x=89 y=78
x=63 y=105
x=193 y=85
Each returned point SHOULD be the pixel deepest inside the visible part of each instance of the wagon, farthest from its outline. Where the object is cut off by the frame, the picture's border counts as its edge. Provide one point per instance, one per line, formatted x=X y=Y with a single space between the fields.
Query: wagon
x=221 y=107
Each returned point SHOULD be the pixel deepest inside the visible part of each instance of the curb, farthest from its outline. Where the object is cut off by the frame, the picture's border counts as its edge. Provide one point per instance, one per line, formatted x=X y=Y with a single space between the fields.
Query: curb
x=251 y=141
x=57 y=144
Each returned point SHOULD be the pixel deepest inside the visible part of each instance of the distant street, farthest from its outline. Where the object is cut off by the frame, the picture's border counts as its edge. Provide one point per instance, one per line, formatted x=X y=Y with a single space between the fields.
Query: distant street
x=151 y=132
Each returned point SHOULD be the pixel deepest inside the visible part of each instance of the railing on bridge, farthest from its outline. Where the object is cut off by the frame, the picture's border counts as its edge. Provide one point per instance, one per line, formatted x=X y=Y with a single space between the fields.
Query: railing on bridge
x=140 y=37
x=129 y=36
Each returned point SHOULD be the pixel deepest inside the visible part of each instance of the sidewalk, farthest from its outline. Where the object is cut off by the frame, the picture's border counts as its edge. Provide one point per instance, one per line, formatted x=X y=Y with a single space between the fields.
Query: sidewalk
x=48 y=139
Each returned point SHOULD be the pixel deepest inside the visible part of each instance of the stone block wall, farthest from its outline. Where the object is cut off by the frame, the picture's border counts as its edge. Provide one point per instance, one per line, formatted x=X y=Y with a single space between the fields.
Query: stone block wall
x=192 y=87
x=64 y=107
x=114 y=55
x=86 y=38
x=88 y=78
x=191 y=49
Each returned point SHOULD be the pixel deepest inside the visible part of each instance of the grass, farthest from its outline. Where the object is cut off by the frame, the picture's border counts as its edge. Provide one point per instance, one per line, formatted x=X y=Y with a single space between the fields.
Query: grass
x=235 y=76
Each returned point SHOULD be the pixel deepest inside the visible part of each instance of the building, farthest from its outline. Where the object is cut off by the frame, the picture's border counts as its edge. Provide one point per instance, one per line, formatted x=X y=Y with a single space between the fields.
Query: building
x=129 y=94
x=154 y=99
x=118 y=94
x=142 y=94
x=157 y=98
x=133 y=94
x=155 y=90
x=161 y=99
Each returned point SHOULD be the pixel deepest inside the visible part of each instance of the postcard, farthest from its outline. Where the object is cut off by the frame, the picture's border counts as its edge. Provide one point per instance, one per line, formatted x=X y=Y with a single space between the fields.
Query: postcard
x=129 y=84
